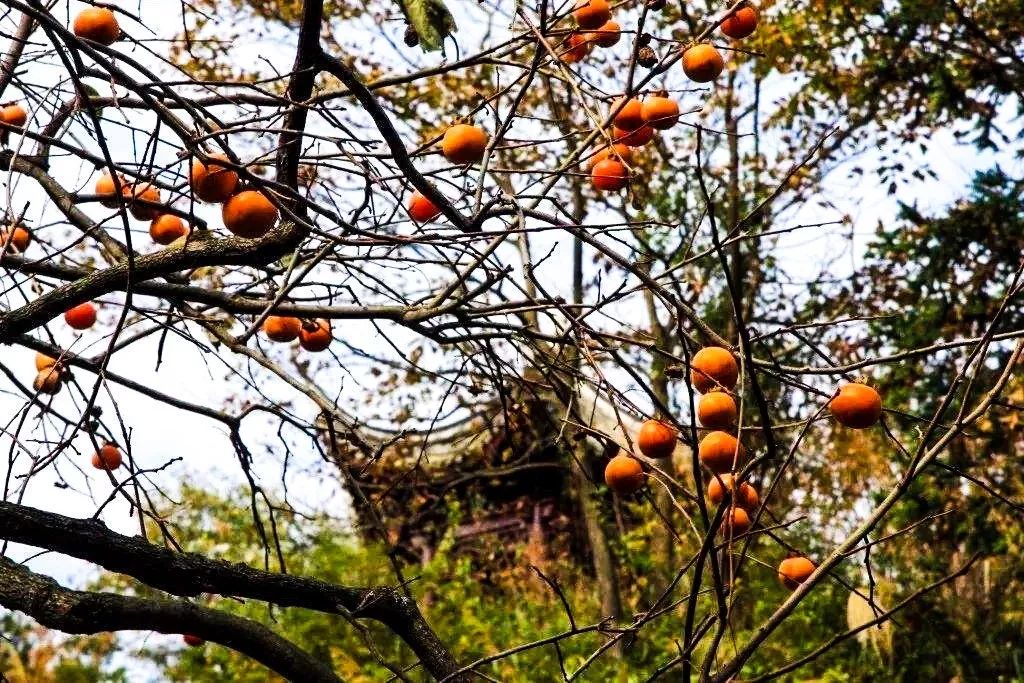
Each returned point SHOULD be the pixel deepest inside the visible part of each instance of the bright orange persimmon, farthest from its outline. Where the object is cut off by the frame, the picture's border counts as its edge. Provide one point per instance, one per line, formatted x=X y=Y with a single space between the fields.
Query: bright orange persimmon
x=606 y=35
x=107 y=458
x=316 y=335
x=702 y=63
x=635 y=138
x=735 y=522
x=166 y=228
x=609 y=175
x=619 y=152
x=81 y=317
x=14 y=115
x=591 y=14
x=105 y=188
x=213 y=182
x=421 y=209
x=574 y=48
x=713 y=367
x=282 y=328
x=98 y=24
x=16 y=239
x=793 y=571
x=43 y=361
x=624 y=475
x=145 y=200
x=249 y=214
x=464 y=144
x=720 y=452
x=857 y=406
x=660 y=112
x=740 y=23
x=717 y=410
x=630 y=117
x=745 y=498
x=656 y=439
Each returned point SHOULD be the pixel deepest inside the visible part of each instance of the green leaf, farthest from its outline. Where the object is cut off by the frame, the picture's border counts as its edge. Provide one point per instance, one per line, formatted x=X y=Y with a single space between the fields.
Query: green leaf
x=431 y=20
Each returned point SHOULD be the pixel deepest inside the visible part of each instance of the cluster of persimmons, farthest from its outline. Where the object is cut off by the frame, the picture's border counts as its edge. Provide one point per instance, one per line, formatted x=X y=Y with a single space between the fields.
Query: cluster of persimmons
x=634 y=121
x=714 y=373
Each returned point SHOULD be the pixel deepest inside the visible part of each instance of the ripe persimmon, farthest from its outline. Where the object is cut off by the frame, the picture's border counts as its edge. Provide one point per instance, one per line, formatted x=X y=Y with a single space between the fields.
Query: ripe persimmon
x=609 y=175
x=635 y=138
x=624 y=475
x=656 y=439
x=81 y=317
x=97 y=24
x=145 y=200
x=619 y=152
x=192 y=640
x=702 y=63
x=857 y=406
x=606 y=35
x=717 y=410
x=630 y=117
x=735 y=522
x=591 y=14
x=282 y=328
x=249 y=214
x=315 y=335
x=14 y=115
x=47 y=381
x=421 y=209
x=166 y=228
x=720 y=452
x=713 y=367
x=15 y=239
x=43 y=361
x=745 y=498
x=794 y=570
x=105 y=188
x=464 y=144
x=660 y=112
x=107 y=458
x=574 y=48
x=213 y=182
x=740 y=23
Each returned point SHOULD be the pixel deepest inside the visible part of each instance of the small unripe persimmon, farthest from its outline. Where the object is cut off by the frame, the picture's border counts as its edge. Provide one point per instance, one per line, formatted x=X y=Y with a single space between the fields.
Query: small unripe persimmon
x=282 y=328
x=624 y=475
x=857 y=406
x=656 y=439
x=316 y=335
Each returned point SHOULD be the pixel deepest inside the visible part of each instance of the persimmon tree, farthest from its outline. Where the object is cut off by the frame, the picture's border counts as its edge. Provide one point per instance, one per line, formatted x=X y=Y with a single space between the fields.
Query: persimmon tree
x=506 y=201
